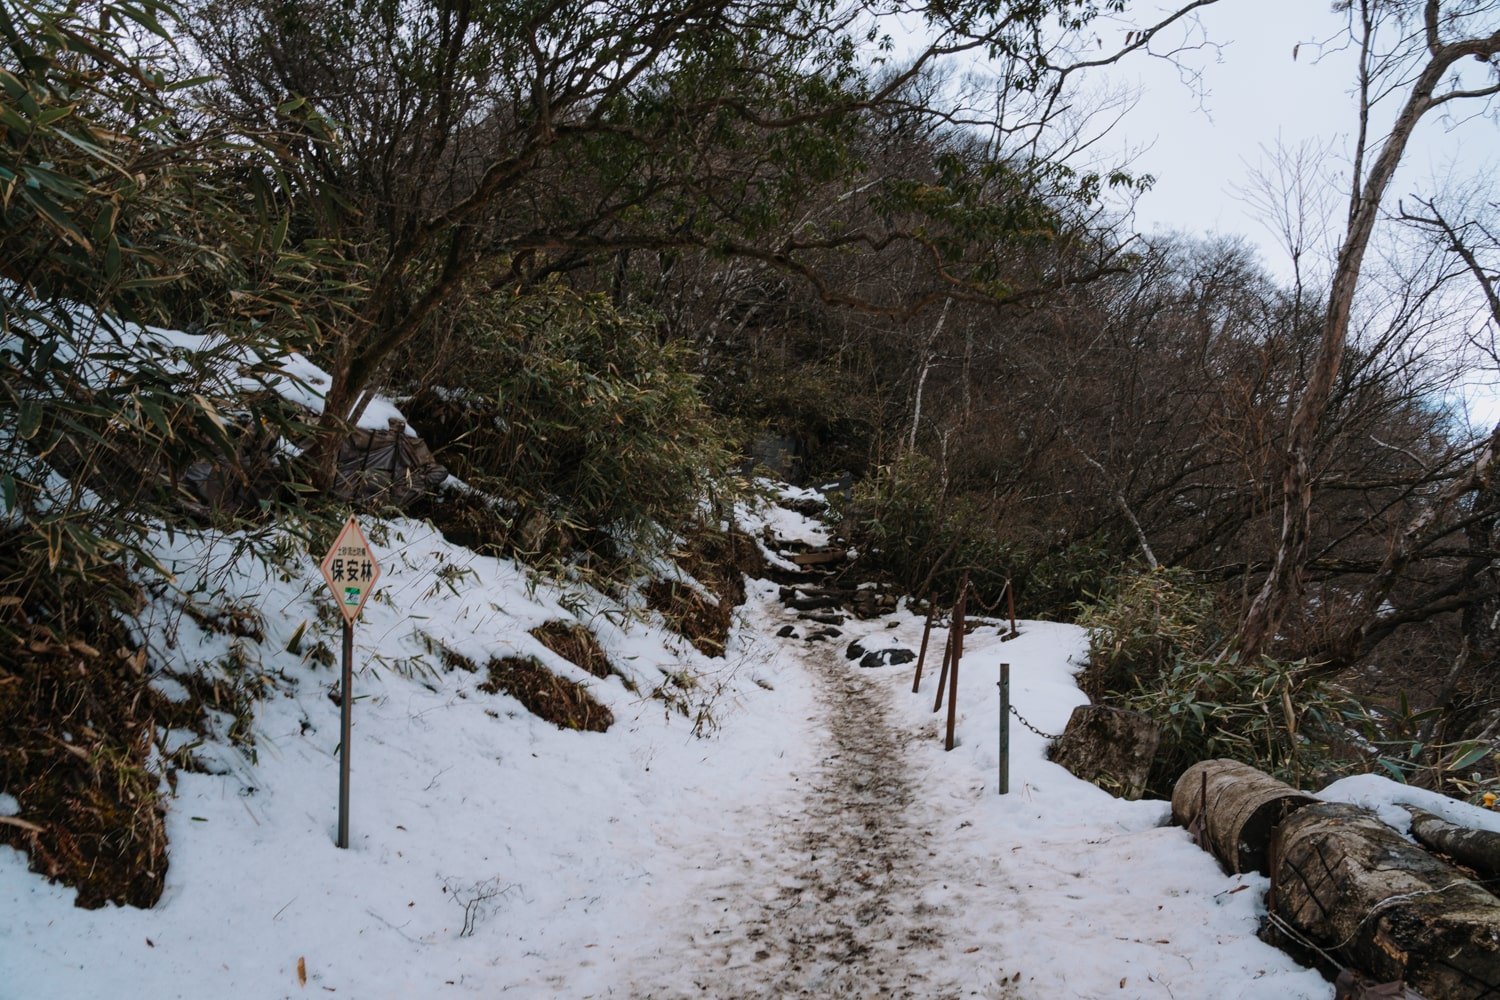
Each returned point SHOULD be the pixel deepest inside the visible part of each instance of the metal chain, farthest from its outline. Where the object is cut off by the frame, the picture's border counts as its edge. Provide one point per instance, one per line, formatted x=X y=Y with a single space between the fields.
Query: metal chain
x=1022 y=719
x=992 y=608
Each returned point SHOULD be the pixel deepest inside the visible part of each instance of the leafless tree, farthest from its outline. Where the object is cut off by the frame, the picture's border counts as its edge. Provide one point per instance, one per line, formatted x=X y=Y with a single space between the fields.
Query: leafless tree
x=1410 y=54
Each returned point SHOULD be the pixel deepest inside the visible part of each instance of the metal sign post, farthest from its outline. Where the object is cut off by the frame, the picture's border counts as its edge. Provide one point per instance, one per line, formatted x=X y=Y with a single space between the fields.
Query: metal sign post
x=1004 y=728
x=350 y=569
x=346 y=730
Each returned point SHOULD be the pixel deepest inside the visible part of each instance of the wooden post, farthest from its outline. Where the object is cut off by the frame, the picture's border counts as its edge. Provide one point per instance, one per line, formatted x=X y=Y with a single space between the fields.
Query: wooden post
x=943 y=674
x=958 y=651
x=1004 y=728
x=916 y=683
x=1010 y=598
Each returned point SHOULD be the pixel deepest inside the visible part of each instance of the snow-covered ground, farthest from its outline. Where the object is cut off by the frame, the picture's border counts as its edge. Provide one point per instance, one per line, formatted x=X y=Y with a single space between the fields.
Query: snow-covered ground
x=777 y=822
x=811 y=839
x=785 y=824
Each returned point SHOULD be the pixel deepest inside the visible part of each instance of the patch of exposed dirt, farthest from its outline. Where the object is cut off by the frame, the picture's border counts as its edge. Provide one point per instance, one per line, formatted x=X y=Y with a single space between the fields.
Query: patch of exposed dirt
x=455 y=661
x=78 y=720
x=576 y=644
x=564 y=703
x=702 y=622
x=468 y=519
x=837 y=905
x=848 y=920
x=719 y=560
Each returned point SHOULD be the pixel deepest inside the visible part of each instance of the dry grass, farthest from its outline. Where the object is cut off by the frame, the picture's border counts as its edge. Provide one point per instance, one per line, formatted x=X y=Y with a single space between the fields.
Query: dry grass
x=78 y=721
x=564 y=703
x=719 y=561
x=468 y=519
x=576 y=644
x=80 y=730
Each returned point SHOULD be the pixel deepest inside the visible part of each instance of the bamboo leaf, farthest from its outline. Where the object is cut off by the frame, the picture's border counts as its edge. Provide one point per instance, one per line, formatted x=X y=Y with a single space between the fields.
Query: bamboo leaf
x=29 y=420
x=112 y=258
x=150 y=407
x=145 y=16
x=1392 y=769
x=1469 y=754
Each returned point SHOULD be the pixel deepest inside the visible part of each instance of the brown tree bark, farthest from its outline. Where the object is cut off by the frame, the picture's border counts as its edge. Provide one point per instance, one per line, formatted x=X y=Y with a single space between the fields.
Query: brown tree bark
x=1283 y=585
x=1476 y=849
x=1233 y=810
x=1367 y=895
x=1110 y=747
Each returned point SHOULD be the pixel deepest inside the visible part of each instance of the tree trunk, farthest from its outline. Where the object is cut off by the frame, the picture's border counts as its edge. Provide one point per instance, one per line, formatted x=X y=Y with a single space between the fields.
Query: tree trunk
x=1351 y=883
x=1283 y=585
x=1233 y=810
x=927 y=362
x=1476 y=849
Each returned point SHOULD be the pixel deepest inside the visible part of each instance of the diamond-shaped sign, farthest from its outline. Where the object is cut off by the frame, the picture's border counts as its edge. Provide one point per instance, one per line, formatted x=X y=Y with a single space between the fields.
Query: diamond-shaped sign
x=351 y=570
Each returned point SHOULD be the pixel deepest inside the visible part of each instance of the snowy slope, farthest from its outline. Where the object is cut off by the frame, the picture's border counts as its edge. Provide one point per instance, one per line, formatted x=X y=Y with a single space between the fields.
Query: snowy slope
x=100 y=346
x=813 y=839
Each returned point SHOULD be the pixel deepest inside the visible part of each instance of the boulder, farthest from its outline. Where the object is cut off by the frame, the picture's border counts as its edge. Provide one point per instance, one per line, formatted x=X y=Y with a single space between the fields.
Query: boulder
x=1110 y=747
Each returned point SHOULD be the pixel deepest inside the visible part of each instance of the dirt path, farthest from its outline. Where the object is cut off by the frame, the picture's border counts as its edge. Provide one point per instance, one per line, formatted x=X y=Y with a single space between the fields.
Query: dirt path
x=848 y=921
x=833 y=903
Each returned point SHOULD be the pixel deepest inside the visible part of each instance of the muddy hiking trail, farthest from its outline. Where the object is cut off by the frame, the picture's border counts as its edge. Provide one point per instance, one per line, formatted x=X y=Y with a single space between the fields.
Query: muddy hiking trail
x=839 y=901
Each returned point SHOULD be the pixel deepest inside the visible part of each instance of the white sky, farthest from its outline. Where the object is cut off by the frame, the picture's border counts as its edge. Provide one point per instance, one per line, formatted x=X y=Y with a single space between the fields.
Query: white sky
x=1207 y=131
x=1201 y=147
x=1205 y=149
x=1255 y=94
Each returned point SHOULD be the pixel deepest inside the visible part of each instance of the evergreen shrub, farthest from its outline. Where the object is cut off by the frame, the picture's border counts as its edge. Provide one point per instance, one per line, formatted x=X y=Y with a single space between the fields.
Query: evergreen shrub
x=562 y=404
x=1157 y=646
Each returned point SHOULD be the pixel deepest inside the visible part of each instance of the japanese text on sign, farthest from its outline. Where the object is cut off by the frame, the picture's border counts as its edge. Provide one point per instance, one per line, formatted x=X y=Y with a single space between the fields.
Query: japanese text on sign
x=351 y=570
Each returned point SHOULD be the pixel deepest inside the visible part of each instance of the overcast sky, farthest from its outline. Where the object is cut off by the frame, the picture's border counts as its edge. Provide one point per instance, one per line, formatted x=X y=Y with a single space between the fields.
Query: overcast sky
x=1204 y=151
x=1263 y=74
x=1255 y=93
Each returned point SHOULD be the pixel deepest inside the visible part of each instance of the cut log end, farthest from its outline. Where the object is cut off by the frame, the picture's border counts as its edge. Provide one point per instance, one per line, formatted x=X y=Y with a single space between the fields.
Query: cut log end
x=1348 y=881
x=1110 y=747
x=1233 y=810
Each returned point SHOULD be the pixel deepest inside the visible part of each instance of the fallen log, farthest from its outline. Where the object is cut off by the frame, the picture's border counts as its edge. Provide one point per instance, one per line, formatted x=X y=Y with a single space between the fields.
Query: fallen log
x=1363 y=892
x=1232 y=810
x=1476 y=849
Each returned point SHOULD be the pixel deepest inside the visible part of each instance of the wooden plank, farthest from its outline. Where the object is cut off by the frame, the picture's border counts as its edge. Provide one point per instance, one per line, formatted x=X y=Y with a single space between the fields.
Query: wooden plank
x=819 y=558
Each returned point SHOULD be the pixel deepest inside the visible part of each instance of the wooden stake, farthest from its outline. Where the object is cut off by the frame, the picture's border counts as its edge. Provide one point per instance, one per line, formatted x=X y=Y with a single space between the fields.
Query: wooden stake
x=958 y=652
x=943 y=674
x=1010 y=597
x=916 y=683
